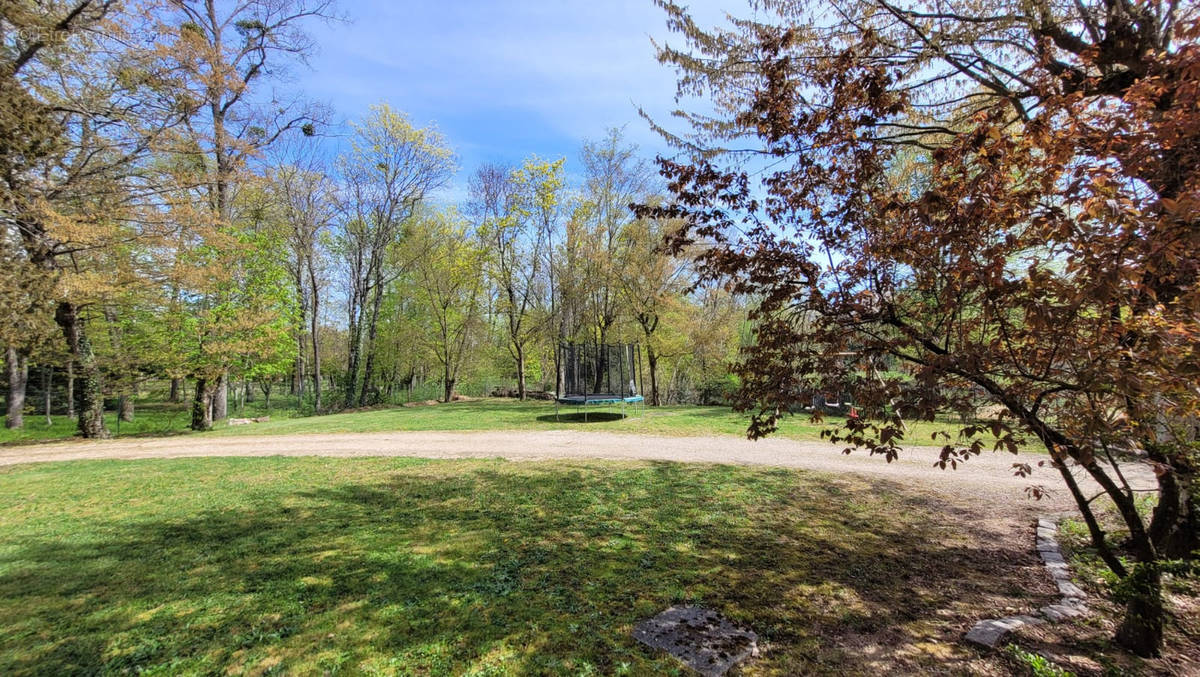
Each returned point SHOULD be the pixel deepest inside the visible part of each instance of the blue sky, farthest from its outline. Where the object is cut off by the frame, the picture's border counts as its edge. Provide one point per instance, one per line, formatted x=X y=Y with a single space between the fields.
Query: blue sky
x=502 y=80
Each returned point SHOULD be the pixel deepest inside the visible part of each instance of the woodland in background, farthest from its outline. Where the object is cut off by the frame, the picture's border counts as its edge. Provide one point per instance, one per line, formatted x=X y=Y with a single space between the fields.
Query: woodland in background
x=169 y=216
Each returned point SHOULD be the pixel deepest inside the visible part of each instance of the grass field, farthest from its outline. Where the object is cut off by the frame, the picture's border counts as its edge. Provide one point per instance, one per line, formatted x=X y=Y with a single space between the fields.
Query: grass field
x=397 y=566
x=486 y=414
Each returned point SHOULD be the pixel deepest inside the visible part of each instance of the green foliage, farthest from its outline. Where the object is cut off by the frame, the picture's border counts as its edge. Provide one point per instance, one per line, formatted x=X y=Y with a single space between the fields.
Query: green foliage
x=386 y=175
x=266 y=349
x=1036 y=664
x=717 y=389
x=239 y=312
x=446 y=276
x=26 y=294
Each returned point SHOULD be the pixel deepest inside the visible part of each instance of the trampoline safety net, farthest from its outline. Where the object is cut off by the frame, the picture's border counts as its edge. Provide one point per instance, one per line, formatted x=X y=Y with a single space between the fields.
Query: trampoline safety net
x=600 y=371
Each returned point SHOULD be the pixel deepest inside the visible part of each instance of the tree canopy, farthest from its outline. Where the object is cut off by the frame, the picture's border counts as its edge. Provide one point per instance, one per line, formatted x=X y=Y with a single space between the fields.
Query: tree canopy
x=996 y=198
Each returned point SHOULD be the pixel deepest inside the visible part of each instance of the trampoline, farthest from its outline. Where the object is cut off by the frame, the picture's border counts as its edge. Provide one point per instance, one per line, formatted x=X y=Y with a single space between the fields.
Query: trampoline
x=600 y=374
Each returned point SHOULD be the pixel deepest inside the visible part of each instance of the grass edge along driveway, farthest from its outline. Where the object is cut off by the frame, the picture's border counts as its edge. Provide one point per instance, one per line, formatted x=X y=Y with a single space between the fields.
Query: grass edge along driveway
x=158 y=419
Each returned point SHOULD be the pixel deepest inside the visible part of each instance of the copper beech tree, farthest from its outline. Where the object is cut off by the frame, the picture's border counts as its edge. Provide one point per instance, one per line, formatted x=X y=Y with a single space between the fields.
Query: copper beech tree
x=947 y=206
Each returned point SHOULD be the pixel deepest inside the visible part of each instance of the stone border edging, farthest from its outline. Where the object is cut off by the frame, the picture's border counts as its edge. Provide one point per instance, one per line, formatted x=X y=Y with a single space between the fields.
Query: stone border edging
x=989 y=632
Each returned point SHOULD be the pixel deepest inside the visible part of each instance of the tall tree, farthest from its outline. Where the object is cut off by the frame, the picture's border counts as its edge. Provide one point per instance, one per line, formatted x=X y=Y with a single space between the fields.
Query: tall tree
x=305 y=196
x=390 y=168
x=1045 y=258
x=446 y=276
x=614 y=178
x=515 y=211
x=82 y=103
x=494 y=206
x=545 y=200
x=241 y=309
x=228 y=54
x=652 y=285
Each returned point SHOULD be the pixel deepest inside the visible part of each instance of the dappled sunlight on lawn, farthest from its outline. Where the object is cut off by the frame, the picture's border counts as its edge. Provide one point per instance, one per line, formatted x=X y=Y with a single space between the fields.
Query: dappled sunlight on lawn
x=448 y=567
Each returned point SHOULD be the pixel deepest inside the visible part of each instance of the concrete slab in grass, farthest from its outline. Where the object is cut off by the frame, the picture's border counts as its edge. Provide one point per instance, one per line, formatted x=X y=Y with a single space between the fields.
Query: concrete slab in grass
x=703 y=639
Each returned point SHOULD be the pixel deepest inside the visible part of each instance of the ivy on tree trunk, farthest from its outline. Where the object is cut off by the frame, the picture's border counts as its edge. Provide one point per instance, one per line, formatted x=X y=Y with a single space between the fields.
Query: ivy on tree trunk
x=18 y=378
x=91 y=400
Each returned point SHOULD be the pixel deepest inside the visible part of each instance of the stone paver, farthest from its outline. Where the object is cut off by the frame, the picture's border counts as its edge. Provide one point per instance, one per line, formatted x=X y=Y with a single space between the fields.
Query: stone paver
x=990 y=632
x=703 y=639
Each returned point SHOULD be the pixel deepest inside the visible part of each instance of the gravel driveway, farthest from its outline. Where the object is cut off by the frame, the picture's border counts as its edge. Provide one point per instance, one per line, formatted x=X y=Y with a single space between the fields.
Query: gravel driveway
x=989 y=475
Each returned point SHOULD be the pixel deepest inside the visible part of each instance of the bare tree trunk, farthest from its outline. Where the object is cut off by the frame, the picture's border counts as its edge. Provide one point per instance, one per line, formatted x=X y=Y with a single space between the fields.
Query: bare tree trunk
x=297 y=380
x=202 y=406
x=1141 y=629
x=116 y=336
x=175 y=395
x=91 y=401
x=559 y=382
x=18 y=377
x=652 y=362
x=353 y=350
x=351 y=385
x=47 y=386
x=1175 y=523
x=316 y=370
x=70 y=389
x=521 y=372
x=447 y=383
x=316 y=348
x=601 y=358
x=372 y=331
x=220 y=397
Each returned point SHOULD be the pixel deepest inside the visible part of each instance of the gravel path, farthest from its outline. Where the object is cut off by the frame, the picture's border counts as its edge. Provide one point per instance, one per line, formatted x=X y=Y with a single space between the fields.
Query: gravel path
x=987 y=475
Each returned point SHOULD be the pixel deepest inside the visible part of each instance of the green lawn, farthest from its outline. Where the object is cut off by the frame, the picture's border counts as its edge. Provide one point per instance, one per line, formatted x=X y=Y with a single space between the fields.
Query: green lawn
x=150 y=419
x=486 y=414
x=400 y=566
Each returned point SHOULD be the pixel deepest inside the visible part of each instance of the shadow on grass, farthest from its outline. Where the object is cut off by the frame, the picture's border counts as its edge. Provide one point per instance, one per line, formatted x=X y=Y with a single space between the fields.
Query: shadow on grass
x=578 y=417
x=708 y=411
x=74 y=436
x=536 y=570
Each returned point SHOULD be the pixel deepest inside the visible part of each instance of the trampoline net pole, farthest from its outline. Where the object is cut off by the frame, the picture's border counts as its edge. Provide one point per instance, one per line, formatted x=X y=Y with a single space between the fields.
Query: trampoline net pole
x=564 y=352
x=605 y=370
x=600 y=373
x=640 y=384
x=621 y=383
